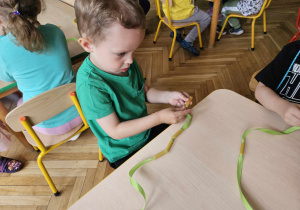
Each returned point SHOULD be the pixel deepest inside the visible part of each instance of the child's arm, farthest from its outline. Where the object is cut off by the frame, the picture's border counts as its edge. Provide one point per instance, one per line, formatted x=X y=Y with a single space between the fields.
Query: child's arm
x=174 y=98
x=119 y=130
x=290 y=112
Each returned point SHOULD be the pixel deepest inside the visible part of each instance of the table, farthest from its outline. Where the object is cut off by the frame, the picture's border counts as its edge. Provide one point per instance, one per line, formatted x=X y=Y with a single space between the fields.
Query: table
x=62 y=15
x=214 y=23
x=199 y=172
x=7 y=88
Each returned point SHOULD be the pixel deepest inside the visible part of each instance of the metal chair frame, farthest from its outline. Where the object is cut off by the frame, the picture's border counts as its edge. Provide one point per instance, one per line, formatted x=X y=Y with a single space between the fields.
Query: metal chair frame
x=253 y=17
x=173 y=26
x=26 y=121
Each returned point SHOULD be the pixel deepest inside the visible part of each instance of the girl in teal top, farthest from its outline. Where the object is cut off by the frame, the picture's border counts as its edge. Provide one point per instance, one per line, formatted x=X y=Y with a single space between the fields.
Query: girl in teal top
x=36 y=57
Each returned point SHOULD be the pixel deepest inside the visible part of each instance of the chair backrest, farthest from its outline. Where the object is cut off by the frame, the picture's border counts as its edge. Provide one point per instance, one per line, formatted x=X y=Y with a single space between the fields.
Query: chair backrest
x=168 y=5
x=264 y=6
x=42 y=107
x=268 y=3
x=253 y=82
x=297 y=35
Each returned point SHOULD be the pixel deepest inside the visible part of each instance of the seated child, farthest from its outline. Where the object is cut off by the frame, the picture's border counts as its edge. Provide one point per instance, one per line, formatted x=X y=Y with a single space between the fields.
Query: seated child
x=37 y=58
x=110 y=86
x=244 y=7
x=210 y=10
x=184 y=11
x=278 y=87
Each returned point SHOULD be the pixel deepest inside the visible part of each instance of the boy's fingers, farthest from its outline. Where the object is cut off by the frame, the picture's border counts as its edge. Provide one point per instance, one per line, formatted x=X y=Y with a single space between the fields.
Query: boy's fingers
x=181 y=108
x=296 y=113
x=182 y=102
x=294 y=121
x=186 y=94
x=184 y=112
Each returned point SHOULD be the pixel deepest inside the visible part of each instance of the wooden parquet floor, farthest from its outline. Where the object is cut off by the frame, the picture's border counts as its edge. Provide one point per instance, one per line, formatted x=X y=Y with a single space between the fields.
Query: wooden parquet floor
x=74 y=166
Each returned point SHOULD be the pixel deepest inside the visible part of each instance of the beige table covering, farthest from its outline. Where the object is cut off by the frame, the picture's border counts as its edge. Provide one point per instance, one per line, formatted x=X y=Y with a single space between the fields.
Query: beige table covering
x=199 y=172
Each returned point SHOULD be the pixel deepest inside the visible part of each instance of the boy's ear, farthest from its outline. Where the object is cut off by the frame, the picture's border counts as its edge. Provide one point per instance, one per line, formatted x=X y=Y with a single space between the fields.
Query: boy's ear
x=86 y=44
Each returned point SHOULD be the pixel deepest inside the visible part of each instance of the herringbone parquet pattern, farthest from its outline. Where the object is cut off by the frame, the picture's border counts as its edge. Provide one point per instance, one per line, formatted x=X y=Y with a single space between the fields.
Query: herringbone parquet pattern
x=74 y=166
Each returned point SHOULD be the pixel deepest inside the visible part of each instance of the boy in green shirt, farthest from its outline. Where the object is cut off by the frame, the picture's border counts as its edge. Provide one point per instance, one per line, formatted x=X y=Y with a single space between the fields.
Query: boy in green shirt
x=110 y=86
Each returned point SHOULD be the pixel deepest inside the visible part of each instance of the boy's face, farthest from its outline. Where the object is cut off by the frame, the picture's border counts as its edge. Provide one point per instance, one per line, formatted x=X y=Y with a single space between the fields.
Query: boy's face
x=114 y=54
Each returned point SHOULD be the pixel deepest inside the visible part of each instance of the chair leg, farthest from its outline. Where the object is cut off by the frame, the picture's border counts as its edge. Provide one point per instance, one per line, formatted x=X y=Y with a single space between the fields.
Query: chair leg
x=36 y=148
x=100 y=156
x=46 y=175
x=173 y=43
x=156 y=8
x=220 y=34
x=295 y=37
x=157 y=30
x=199 y=35
x=252 y=34
x=265 y=22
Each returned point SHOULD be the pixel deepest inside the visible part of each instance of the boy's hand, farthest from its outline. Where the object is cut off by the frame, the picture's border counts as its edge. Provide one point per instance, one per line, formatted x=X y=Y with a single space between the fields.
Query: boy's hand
x=173 y=115
x=178 y=99
x=291 y=114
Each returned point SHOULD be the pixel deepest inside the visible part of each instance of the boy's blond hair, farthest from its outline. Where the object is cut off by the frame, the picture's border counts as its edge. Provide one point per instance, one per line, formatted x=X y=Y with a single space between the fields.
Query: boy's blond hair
x=20 y=18
x=95 y=16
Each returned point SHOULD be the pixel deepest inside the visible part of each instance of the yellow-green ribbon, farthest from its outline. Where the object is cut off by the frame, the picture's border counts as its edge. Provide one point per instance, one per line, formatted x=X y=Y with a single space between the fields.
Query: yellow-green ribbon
x=134 y=183
x=72 y=39
x=241 y=156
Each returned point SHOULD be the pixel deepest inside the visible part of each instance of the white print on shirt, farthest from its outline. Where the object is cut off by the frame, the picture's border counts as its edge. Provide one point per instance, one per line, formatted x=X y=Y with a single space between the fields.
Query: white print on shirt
x=290 y=90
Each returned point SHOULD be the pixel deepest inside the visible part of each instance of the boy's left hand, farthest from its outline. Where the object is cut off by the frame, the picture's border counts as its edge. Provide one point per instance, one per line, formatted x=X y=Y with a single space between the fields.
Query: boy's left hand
x=178 y=99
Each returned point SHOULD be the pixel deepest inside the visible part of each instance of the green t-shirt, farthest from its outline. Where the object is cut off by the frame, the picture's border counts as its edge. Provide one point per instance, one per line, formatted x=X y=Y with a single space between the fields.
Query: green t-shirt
x=101 y=94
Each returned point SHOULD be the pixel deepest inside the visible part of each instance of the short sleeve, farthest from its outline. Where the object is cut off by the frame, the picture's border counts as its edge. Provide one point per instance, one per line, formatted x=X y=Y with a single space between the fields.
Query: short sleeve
x=95 y=102
x=272 y=74
x=4 y=75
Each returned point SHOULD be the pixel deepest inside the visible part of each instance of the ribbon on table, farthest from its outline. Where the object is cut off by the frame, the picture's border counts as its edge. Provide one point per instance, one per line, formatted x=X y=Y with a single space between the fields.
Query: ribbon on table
x=241 y=156
x=134 y=183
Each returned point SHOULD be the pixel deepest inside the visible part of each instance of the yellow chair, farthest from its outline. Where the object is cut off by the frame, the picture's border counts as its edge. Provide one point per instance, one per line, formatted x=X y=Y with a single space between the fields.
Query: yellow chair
x=173 y=26
x=253 y=82
x=41 y=108
x=253 y=17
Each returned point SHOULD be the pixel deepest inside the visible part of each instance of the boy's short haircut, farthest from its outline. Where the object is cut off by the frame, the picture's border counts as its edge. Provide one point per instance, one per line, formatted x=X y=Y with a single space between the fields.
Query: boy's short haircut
x=95 y=16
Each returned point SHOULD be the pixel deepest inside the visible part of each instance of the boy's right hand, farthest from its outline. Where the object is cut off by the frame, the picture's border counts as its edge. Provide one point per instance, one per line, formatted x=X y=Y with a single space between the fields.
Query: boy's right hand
x=291 y=114
x=173 y=115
